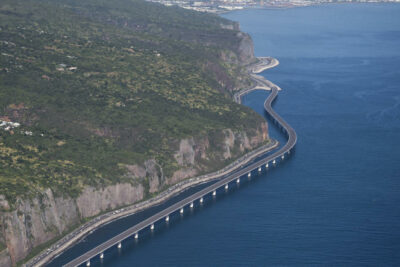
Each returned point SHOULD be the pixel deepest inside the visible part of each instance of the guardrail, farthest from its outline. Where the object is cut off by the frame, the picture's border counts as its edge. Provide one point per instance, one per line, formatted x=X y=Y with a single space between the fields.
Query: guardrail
x=179 y=206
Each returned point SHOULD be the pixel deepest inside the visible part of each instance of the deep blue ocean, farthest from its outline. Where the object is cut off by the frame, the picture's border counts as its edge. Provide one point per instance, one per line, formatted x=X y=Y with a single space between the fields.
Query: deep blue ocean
x=336 y=200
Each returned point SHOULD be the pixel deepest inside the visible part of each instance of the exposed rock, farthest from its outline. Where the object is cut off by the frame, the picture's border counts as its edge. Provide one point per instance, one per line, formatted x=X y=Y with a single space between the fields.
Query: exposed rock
x=246 y=48
x=155 y=175
x=243 y=141
x=92 y=201
x=185 y=155
x=35 y=222
x=182 y=174
x=229 y=143
x=261 y=135
x=39 y=220
x=5 y=260
x=201 y=148
x=4 y=203
x=136 y=171
x=151 y=170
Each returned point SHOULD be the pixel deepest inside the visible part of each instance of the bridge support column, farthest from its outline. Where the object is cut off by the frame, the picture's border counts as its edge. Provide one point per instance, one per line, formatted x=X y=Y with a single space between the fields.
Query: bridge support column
x=238 y=180
x=119 y=245
x=283 y=157
x=102 y=255
x=226 y=187
x=167 y=219
x=152 y=227
x=259 y=169
x=191 y=205
x=201 y=200
x=181 y=211
x=249 y=175
x=274 y=162
x=266 y=165
x=214 y=193
x=136 y=236
x=88 y=263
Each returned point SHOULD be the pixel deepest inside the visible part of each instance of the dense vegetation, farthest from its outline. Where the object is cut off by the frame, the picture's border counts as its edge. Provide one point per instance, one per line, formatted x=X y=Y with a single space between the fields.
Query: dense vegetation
x=98 y=84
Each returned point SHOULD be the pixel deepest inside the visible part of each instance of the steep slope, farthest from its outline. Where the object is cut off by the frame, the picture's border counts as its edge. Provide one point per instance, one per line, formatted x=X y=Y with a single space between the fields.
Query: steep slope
x=105 y=103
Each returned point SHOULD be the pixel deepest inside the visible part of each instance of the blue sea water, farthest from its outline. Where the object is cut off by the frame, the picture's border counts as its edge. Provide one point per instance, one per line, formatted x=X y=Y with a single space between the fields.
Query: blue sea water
x=336 y=200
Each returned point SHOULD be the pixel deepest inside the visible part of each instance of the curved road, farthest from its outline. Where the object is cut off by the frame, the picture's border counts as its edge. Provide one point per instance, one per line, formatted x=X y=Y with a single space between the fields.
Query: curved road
x=235 y=175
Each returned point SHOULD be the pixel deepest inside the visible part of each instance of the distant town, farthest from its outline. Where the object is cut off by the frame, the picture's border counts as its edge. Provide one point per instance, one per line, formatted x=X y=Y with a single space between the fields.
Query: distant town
x=221 y=6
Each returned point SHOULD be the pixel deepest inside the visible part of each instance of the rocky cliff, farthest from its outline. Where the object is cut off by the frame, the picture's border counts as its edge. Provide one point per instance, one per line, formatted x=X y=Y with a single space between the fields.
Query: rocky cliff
x=156 y=107
x=40 y=220
x=246 y=48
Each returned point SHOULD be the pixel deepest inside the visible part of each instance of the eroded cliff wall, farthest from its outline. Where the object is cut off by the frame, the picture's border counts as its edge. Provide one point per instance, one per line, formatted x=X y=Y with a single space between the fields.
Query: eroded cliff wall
x=40 y=220
x=29 y=223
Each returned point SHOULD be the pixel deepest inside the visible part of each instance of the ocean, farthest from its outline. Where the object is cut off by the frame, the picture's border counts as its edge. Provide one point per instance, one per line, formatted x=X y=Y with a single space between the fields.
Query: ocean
x=336 y=200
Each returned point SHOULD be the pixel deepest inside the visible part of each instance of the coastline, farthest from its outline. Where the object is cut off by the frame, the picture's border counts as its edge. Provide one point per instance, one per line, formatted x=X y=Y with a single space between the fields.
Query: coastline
x=264 y=63
x=76 y=235
x=46 y=255
x=286 y=5
x=261 y=83
x=224 y=182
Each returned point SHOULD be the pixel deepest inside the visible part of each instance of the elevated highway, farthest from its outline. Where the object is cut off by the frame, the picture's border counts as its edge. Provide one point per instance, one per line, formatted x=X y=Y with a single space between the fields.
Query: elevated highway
x=187 y=203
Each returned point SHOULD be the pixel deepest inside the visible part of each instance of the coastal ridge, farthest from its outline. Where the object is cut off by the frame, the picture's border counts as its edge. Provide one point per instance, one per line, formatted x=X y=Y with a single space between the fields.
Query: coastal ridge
x=224 y=182
x=57 y=248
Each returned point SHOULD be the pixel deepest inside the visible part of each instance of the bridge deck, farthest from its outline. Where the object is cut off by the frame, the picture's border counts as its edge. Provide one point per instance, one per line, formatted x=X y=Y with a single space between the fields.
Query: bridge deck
x=292 y=138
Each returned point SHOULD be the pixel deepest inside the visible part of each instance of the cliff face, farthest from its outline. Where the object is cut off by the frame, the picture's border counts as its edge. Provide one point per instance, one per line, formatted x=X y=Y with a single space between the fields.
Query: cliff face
x=42 y=219
x=246 y=48
x=5 y=259
x=35 y=222
x=39 y=220
x=31 y=222
x=238 y=57
x=93 y=201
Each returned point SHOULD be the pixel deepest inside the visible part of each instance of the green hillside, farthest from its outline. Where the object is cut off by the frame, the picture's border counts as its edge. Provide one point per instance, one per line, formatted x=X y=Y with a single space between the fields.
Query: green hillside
x=98 y=84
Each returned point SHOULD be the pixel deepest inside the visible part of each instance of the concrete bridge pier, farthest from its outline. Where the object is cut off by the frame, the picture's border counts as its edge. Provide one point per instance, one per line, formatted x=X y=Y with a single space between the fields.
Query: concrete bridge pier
x=238 y=180
x=226 y=187
x=273 y=158
x=201 y=200
x=283 y=157
x=259 y=169
x=102 y=255
x=167 y=218
x=136 y=236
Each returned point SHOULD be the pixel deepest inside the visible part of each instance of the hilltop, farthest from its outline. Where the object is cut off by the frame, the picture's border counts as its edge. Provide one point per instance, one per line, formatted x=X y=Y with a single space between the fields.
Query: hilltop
x=107 y=103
